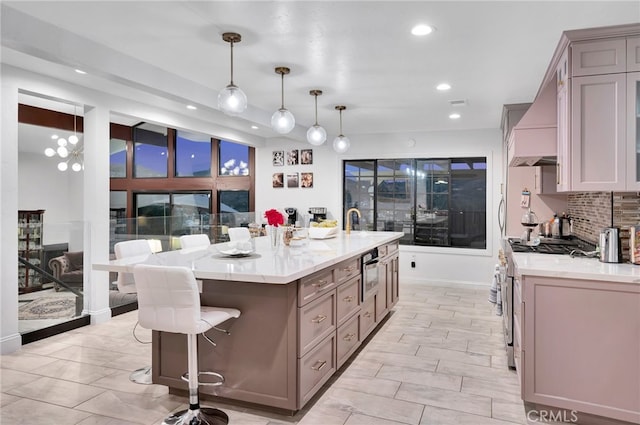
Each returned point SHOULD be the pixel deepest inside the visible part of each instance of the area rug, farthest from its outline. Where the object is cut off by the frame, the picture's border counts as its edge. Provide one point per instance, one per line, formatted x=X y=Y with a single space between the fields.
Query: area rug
x=48 y=308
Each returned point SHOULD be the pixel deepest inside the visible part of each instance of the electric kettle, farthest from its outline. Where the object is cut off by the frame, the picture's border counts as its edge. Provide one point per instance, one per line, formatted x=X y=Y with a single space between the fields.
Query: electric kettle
x=610 y=246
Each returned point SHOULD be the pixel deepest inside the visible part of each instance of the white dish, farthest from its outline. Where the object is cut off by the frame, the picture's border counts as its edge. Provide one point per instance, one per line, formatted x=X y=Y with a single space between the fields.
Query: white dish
x=322 y=232
x=235 y=252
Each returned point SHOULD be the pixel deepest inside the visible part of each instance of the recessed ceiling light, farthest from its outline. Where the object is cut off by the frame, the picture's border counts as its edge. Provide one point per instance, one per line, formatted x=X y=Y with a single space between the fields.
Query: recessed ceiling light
x=79 y=71
x=421 y=29
x=193 y=108
x=254 y=127
x=454 y=116
x=443 y=87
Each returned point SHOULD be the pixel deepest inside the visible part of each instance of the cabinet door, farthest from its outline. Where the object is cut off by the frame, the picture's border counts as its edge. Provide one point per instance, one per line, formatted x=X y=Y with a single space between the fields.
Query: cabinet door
x=633 y=54
x=633 y=135
x=598 y=57
x=563 y=166
x=598 y=141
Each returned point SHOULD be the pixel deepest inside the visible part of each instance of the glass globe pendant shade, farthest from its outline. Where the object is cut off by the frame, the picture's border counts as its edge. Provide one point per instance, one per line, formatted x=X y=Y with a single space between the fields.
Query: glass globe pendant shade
x=232 y=100
x=74 y=139
x=76 y=166
x=62 y=151
x=316 y=135
x=283 y=121
x=62 y=166
x=62 y=142
x=49 y=152
x=341 y=144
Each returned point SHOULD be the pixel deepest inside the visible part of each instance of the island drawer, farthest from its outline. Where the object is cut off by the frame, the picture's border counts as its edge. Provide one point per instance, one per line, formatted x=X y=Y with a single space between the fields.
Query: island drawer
x=312 y=286
x=346 y=270
x=348 y=339
x=367 y=317
x=317 y=319
x=315 y=368
x=348 y=299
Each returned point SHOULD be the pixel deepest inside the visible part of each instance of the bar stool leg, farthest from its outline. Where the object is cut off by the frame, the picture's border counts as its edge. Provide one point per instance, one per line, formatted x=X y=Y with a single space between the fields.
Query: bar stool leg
x=195 y=415
x=141 y=376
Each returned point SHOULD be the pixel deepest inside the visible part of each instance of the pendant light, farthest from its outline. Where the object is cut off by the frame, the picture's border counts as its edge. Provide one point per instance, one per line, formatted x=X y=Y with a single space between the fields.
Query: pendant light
x=232 y=100
x=282 y=120
x=69 y=150
x=341 y=143
x=316 y=135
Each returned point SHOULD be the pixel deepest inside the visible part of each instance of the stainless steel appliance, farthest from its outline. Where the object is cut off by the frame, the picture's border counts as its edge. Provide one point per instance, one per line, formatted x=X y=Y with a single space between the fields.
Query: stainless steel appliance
x=610 y=246
x=573 y=247
x=318 y=213
x=292 y=214
x=370 y=276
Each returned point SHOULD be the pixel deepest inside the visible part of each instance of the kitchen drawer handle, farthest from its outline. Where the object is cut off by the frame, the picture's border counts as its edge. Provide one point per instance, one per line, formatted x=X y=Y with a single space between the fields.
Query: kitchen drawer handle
x=349 y=299
x=320 y=283
x=319 y=365
x=318 y=319
x=348 y=337
x=366 y=314
x=349 y=269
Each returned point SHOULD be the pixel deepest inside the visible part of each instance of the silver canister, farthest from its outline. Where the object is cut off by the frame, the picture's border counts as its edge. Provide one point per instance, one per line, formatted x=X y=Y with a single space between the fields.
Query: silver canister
x=610 y=246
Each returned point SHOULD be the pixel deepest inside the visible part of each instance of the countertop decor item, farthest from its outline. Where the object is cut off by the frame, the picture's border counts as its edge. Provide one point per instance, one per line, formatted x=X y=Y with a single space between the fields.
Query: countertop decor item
x=275 y=219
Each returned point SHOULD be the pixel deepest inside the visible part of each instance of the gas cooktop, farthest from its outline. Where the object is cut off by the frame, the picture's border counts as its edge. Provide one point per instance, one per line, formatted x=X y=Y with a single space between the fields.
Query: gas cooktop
x=552 y=246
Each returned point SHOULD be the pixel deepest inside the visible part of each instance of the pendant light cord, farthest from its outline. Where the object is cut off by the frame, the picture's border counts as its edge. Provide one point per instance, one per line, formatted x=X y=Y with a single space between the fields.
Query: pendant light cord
x=316 y=96
x=341 y=122
x=282 y=89
x=231 y=82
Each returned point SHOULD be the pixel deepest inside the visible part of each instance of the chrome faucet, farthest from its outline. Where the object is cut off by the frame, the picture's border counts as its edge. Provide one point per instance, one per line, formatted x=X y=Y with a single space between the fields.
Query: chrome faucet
x=349 y=211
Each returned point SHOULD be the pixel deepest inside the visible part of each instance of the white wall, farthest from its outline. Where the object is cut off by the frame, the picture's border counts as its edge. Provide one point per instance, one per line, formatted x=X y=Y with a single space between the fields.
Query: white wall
x=432 y=263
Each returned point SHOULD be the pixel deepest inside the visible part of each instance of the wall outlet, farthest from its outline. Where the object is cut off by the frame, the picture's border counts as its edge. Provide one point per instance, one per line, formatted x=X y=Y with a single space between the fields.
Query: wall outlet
x=413 y=264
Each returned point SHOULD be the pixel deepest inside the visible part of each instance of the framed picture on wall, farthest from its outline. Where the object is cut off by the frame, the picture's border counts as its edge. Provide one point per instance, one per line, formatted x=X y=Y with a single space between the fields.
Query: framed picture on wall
x=277 y=158
x=306 y=156
x=277 y=180
x=292 y=157
x=306 y=180
x=292 y=179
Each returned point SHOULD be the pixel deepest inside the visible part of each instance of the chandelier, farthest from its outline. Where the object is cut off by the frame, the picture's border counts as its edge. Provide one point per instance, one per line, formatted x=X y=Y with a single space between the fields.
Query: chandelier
x=69 y=151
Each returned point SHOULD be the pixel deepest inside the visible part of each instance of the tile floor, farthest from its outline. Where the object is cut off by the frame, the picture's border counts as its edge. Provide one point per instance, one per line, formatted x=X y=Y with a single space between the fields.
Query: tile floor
x=439 y=359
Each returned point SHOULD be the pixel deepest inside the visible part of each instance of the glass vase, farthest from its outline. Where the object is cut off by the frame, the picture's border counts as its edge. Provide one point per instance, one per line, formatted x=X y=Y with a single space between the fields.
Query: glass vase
x=274 y=236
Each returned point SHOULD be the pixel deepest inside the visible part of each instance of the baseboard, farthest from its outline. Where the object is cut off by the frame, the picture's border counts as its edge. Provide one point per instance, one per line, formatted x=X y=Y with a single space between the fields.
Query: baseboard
x=415 y=281
x=10 y=344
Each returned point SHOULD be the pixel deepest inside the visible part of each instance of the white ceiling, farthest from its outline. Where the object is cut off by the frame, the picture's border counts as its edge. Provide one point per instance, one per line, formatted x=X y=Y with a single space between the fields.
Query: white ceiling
x=360 y=53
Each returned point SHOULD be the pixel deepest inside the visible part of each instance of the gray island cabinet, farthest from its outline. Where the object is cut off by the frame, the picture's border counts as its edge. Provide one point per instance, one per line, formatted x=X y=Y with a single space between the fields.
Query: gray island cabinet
x=302 y=316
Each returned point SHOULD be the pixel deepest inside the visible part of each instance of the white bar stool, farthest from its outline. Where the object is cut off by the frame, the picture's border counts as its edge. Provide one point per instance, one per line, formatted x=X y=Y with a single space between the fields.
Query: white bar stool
x=194 y=241
x=126 y=285
x=169 y=301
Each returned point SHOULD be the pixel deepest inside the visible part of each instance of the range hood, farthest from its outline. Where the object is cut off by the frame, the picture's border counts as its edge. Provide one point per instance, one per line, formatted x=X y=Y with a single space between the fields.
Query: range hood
x=533 y=140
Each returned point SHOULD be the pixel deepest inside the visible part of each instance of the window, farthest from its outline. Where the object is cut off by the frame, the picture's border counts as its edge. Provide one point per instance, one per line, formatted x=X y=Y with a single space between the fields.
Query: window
x=118 y=158
x=193 y=154
x=150 y=151
x=436 y=202
x=234 y=159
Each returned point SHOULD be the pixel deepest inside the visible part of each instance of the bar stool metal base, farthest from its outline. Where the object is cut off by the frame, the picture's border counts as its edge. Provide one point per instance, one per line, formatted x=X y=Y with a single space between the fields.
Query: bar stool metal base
x=141 y=376
x=198 y=416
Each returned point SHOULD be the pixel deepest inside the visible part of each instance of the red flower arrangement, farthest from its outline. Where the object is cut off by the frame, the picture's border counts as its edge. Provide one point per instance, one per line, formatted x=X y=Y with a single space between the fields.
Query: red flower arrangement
x=274 y=217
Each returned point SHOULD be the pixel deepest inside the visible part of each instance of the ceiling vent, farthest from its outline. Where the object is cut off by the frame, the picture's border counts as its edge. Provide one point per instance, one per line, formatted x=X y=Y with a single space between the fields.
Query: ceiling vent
x=459 y=102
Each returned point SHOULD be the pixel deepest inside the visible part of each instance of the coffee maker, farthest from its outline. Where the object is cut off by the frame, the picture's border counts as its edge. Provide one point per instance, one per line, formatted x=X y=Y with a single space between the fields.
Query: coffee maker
x=292 y=214
x=318 y=214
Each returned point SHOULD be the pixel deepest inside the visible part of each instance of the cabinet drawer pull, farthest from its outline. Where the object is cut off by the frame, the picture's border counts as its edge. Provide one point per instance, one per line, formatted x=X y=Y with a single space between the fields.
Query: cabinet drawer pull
x=319 y=365
x=348 y=269
x=348 y=337
x=366 y=314
x=318 y=319
x=320 y=283
x=349 y=299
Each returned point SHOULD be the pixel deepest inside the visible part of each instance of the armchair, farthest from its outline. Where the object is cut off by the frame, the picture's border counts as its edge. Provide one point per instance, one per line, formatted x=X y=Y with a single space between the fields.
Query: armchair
x=67 y=268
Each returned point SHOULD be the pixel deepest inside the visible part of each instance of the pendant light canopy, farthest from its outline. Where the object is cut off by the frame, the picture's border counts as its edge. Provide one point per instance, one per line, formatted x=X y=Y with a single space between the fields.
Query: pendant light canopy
x=232 y=100
x=316 y=135
x=282 y=120
x=341 y=143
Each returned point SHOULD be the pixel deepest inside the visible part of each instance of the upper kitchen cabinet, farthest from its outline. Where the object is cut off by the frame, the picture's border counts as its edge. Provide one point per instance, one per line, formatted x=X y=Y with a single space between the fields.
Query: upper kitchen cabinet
x=597 y=109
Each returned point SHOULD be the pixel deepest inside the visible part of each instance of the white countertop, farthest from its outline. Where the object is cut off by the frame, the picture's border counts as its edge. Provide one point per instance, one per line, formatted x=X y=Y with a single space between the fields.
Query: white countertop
x=267 y=265
x=563 y=266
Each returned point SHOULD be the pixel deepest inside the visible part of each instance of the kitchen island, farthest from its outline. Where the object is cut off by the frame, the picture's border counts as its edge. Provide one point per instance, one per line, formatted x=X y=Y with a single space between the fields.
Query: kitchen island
x=577 y=336
x=303 y=315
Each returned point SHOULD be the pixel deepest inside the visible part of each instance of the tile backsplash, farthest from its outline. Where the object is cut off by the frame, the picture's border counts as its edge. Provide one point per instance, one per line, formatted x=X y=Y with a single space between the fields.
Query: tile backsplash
x=591 y=212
